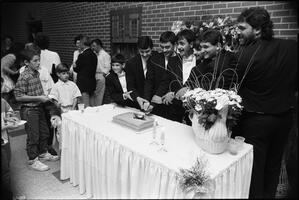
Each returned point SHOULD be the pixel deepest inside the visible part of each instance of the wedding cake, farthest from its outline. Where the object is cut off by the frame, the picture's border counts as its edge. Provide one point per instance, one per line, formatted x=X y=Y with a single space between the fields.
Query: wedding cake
x=134 y=120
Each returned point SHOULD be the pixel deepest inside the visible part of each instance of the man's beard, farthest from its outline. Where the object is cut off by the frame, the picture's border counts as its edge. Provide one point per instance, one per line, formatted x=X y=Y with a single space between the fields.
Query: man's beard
x=245 y=40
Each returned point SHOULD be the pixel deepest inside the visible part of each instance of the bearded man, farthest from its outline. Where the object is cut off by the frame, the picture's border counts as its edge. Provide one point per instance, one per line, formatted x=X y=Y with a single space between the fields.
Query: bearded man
x=267 y=72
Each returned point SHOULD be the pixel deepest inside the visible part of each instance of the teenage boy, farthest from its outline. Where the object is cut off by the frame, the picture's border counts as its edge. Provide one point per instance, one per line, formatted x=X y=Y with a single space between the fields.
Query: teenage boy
x=157 y=66
x=136 y=69
x=178 y=71
x=30 y=93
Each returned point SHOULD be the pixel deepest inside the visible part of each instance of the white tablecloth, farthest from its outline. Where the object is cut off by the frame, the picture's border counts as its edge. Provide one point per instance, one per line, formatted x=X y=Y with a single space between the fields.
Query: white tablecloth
x=107 y=160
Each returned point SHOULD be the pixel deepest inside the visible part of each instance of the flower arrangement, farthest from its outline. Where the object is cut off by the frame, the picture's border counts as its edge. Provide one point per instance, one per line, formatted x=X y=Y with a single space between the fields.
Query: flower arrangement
x=225 y=25
x=208 y=103
x=196 y=178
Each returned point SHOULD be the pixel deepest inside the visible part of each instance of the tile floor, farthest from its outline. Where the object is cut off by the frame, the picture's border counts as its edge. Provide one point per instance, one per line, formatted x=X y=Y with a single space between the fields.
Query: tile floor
x=34 y=184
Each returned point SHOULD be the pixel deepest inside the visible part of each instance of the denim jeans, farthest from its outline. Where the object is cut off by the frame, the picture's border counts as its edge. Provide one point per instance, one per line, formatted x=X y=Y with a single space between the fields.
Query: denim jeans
x=37 y=130
x=100 y=90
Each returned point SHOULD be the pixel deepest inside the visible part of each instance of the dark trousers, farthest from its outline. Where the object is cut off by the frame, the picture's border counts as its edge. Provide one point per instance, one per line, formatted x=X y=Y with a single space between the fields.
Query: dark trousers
x=268 y=135
x=176 y=112
x=160 y=110
x=5 y=174
x=37 y=131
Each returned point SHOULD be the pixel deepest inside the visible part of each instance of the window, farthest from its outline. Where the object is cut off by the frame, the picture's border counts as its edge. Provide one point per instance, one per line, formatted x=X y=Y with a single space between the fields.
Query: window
x=125 y=30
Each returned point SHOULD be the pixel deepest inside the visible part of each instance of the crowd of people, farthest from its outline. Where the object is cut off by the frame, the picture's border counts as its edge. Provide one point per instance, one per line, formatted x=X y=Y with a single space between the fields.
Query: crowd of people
x=155 y=82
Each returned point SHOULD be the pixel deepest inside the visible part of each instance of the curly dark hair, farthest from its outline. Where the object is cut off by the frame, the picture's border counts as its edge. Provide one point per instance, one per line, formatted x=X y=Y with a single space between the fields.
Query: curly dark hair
x=258 y=17
x=144 y=42
x=187 y=34
x=168 y=36
x=213 y=36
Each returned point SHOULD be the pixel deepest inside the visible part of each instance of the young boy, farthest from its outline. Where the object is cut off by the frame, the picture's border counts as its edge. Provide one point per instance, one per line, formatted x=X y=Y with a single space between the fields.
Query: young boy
x=30 y=93
x=116 y=83
x=65 y=92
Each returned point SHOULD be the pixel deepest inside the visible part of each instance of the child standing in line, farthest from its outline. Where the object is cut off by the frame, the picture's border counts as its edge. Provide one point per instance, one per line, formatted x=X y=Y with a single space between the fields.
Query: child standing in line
x=65 y=92
x=30 y=93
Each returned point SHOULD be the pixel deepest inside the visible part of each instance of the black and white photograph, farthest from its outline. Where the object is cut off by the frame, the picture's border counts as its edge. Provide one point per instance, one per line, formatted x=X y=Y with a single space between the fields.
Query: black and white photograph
x=149 y=100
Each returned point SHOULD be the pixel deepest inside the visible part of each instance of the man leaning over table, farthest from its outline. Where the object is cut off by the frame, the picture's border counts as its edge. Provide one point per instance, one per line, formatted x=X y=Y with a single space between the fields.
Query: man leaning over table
x=136 y=69
x=156 y=69
x=267 y=72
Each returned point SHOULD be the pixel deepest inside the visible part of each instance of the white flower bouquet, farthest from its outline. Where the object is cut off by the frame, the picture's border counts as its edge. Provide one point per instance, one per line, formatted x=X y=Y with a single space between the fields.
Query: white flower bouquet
x=208 y=103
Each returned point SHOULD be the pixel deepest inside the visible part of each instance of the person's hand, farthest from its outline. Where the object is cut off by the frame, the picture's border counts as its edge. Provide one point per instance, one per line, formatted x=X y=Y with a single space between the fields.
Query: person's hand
x=55 y=121
x=156 y=99
x=44 y=99
x=11 y=125
x=16 y=72
x=149 y=109
x=11 y=119
x=142 y=103
x=146 y=106
x=167 y=98
x=180 y=93
x=74 y=65
x=127 y=95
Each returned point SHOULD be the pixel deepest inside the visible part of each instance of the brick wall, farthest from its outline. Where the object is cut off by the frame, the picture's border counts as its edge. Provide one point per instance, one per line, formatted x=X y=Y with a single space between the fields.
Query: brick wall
x=63 y=20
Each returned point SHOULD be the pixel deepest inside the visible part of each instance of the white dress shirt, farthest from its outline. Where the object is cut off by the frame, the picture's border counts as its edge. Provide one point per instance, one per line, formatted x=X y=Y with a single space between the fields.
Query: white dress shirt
x=65 y=92
x=122 y=80
x=48 y=58
x=144 y=66
x=104 y=62
x=188 y=64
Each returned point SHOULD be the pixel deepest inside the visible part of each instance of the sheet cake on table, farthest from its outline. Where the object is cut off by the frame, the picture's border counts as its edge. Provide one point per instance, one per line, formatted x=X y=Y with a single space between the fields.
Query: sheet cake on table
x=128 y=119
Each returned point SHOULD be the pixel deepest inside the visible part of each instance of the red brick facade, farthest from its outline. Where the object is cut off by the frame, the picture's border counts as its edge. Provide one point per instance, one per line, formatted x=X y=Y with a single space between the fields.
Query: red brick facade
x=63 y=20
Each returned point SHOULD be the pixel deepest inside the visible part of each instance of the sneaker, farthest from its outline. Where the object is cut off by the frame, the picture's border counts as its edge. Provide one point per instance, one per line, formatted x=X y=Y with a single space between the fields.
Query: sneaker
x=52 y=151
x=48 y=157
x=37 y=165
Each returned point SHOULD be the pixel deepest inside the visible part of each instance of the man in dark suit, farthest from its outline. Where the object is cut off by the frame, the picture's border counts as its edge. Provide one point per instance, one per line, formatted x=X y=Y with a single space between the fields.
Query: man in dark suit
x=136 y=69
x=86 y=66
x=157 y=65
x=267 y=71
x=178 y=71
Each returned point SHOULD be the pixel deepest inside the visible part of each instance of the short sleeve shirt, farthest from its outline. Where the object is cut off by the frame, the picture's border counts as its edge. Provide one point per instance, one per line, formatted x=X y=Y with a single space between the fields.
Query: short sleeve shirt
x=29 y=84
x=65 y=92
